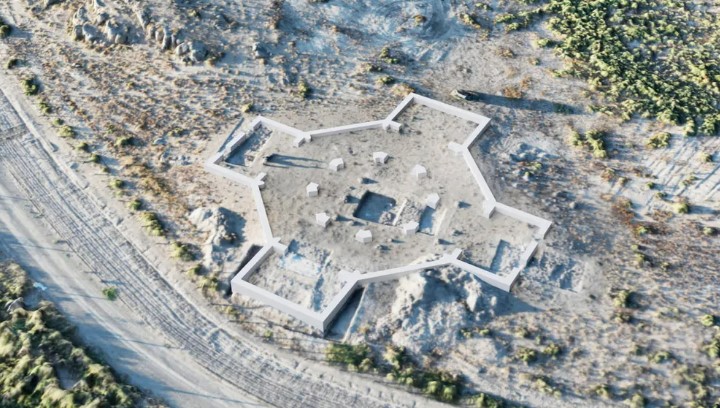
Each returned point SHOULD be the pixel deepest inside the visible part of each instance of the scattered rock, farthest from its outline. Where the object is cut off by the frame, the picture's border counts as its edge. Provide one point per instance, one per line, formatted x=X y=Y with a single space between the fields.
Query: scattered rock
x=224 y=231
x=192 y=51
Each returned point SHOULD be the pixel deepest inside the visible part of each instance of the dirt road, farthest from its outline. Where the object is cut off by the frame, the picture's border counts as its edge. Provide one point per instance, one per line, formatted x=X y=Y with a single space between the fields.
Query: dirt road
x=153 y=333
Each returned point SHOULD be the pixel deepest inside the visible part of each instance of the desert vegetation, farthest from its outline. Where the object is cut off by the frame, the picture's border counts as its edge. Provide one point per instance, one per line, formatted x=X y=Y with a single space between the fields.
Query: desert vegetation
x=42 y=362
x=648 y=58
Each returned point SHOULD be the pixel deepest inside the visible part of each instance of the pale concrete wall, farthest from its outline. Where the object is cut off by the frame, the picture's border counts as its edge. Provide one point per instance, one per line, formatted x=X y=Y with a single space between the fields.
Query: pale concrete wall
x=322 y=320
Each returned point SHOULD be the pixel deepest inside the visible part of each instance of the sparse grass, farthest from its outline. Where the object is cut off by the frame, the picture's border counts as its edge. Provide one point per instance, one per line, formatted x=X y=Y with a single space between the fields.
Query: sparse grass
x=505 y=52
x=543 y=385
x=512 y=92
x=402 y=89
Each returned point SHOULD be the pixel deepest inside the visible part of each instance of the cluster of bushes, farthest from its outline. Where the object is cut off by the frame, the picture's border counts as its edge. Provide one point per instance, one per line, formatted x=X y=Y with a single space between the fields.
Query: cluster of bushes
x=36 y=344
x=439 y=384
x=658 y=140
x=652 y=58
x=398 y=367
x=354 y=357
x=593 y=140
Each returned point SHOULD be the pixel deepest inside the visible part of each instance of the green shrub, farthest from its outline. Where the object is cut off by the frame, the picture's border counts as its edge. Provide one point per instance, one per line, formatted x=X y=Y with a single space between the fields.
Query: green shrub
x=5 y=30
x=195 y=270
x=526 y=355
x=705 y=157
x=152 y=223
x=29 y=86
x=95 y=158
x=44 y=107
x=552 y=350
x=209 y=283
x=67 y=132
x=660 y=357
x=483 y=400
x=386 y=55
x=83 y=147
x=11 y=63
x=659 y=140
x=57 y=122
x=182 y=251
x=707 y=320
x=713 y=348
x=110 y=292
x=545 y=43
x=303 y=89
x=621 y=299
x=637 y=401
x=348 y=354
x=602 y=390
x=117 y=184
x=135 y=204
x=385 y=80
x=708 y=231
x=124 y=141
x=681 y=207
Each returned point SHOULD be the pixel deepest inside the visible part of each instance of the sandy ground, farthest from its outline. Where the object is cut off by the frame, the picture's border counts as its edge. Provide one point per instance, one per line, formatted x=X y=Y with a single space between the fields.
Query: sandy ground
x=83 y=242
x=177 y=112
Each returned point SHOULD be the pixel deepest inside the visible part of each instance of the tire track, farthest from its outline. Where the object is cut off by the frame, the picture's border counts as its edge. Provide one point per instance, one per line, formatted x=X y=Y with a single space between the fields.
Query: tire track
x=69 y=211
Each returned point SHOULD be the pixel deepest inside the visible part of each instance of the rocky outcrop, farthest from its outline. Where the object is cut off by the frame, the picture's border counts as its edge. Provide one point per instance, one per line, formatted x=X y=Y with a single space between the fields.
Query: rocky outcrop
x=222 y=229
